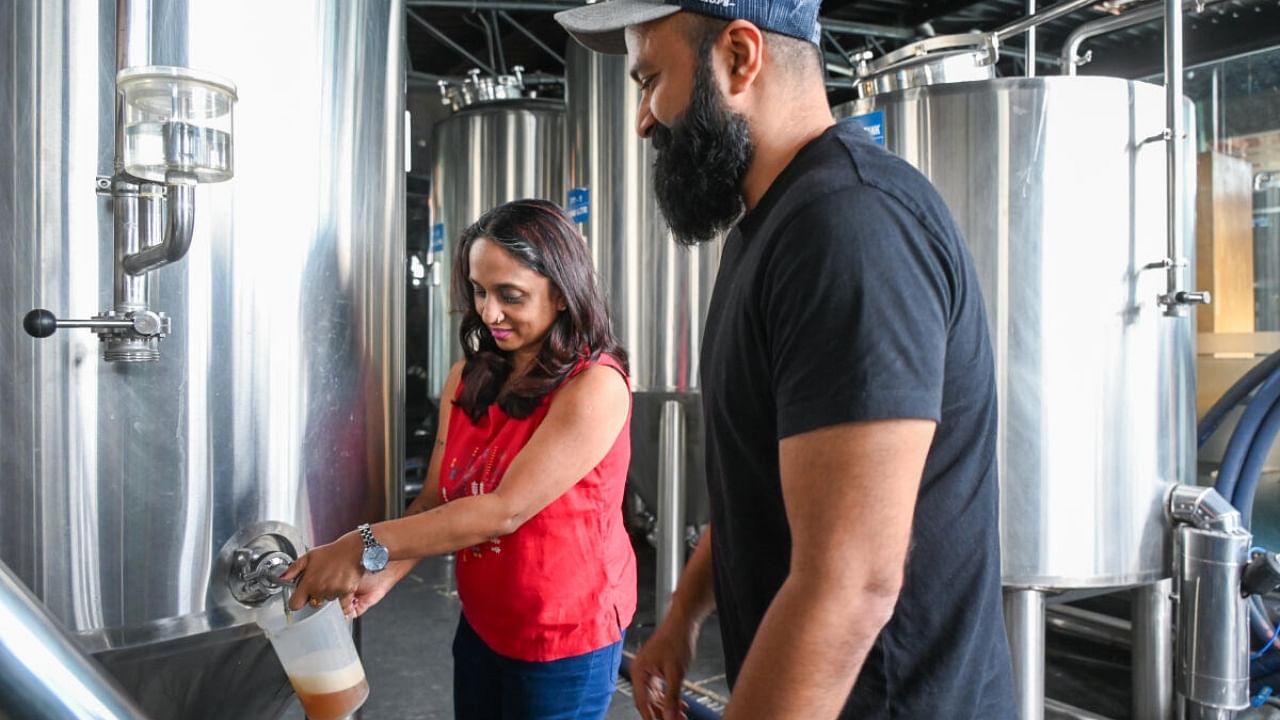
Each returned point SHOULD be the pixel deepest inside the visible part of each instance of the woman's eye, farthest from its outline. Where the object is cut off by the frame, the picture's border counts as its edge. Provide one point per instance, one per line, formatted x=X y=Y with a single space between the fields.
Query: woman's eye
x=479 y=292
x=511 y=299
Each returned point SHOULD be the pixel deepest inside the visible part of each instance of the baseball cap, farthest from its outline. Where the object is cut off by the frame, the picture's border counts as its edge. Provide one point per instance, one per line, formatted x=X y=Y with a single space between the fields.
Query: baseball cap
x=601 y=26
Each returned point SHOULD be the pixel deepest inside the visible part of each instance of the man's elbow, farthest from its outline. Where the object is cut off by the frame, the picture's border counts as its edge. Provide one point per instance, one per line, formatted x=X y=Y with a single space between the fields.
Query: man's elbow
x=862 y=601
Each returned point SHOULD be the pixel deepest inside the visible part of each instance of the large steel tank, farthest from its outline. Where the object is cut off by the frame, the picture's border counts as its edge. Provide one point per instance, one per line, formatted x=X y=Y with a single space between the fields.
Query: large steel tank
x=657 y=291
x=1058 y=185
x=275 y=406
x=499 y=145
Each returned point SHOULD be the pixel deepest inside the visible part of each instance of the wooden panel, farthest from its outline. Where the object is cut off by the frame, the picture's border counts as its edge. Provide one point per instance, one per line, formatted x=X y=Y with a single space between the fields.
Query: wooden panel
x=1224 y=243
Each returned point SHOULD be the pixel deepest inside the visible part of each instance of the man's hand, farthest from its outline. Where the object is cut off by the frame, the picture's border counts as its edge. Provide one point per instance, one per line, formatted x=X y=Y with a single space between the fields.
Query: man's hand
x=658 y=670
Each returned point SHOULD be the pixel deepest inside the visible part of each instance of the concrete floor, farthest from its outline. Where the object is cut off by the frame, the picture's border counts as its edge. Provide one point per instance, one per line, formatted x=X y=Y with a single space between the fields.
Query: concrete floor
x=406 y=650
x=407 y=639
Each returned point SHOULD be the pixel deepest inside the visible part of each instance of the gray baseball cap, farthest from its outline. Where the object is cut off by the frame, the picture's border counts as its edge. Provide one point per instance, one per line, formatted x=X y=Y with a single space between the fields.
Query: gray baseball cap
x=602 y=26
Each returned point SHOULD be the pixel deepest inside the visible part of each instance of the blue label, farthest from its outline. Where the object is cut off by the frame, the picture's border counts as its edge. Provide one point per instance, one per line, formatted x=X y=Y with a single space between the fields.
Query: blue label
x=873 y=123
x=579 y=205
x=437 y=238
x=1261 y=221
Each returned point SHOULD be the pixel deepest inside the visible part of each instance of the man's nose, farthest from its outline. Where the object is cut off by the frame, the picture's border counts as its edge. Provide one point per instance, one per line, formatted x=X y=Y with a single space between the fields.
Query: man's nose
x=644 y=120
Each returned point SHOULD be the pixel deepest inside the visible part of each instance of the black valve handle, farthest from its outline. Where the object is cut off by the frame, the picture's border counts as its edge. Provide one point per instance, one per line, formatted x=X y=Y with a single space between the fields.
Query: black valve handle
x=40 y=323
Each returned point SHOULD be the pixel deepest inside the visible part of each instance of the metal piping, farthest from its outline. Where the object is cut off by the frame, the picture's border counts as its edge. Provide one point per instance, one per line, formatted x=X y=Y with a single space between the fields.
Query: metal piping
x=1173 y=152
x=1030 y=61
x=444 y=39
x=1152 y=666
x=1093 y=626
x=42 y=671
x=533 y=38
x=671 y=482
x=1071 y=47
x=847 y=27
x=476 y=5
x=1018 y=27
x=1024 y=619
x=850 y=27
x=180 y=217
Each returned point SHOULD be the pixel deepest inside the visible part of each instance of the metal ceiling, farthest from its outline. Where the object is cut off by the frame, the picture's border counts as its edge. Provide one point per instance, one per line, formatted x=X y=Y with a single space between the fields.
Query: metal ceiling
x=441 y=34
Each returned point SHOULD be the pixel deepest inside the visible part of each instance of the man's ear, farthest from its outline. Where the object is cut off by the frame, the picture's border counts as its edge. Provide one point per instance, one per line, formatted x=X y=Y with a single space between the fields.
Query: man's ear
x=744 y=44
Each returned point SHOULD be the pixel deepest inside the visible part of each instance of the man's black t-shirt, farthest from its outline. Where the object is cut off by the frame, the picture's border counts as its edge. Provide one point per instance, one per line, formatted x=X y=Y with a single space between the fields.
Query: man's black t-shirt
x=847 y=294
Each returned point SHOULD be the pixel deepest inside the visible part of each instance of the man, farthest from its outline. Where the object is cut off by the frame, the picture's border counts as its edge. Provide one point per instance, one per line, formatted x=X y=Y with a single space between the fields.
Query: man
x=848 y=386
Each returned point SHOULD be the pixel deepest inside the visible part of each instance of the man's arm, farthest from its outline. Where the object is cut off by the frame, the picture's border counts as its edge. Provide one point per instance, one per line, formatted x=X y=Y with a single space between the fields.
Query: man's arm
x=850 y=494
x=658 y=670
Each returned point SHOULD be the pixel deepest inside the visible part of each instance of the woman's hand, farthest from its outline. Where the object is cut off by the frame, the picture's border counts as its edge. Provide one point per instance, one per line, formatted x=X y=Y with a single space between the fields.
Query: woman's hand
x=374 y=586
x=329 y=572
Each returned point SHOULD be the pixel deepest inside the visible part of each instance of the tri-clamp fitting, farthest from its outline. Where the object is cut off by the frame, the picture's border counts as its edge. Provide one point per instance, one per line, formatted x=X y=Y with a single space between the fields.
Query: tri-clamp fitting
x=256 y=571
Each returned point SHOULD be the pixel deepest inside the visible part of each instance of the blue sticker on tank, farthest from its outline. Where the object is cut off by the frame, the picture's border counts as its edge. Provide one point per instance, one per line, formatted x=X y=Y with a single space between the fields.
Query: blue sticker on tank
x=579 y=205
x=873 y=123
x=437 y=238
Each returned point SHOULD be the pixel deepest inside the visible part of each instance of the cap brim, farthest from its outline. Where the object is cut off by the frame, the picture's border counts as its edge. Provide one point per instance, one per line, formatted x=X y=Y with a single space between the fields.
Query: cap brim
x=602 y=26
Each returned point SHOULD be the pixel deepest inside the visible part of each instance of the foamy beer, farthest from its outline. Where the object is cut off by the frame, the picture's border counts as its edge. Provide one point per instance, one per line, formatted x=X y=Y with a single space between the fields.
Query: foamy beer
x=317 y=653
x=331 y=694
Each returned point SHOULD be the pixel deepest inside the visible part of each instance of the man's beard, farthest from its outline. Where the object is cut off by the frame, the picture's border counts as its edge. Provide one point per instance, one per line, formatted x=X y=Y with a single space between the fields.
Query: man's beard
x=700 y=163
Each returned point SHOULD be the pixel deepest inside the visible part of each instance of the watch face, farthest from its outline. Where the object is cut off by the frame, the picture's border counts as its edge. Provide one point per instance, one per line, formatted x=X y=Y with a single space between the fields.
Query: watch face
x=374 y=558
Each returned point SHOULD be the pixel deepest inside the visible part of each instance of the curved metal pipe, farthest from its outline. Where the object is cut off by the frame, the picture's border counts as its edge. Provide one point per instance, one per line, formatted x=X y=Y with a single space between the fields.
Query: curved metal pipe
x=43 y=674
x=180 y=218
x=1071 y=47
x=1018 y=27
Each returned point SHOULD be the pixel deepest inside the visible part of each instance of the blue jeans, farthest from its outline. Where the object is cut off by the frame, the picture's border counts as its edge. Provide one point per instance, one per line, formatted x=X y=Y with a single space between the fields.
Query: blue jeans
x=489 y=686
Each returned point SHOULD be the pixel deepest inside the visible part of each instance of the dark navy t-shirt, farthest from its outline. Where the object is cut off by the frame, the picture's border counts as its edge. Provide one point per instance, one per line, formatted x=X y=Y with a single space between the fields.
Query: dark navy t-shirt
x=847 y=294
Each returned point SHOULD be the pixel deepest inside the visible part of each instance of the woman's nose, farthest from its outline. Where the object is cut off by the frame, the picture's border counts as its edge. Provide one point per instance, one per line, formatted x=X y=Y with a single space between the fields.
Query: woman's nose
x=490 y=312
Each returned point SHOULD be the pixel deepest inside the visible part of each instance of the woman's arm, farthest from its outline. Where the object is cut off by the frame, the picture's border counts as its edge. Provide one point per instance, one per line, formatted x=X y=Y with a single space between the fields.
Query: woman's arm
x=580 y=427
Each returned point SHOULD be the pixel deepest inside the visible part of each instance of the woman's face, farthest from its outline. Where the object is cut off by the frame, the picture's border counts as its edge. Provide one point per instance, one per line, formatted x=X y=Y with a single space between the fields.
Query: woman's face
x=516 y=303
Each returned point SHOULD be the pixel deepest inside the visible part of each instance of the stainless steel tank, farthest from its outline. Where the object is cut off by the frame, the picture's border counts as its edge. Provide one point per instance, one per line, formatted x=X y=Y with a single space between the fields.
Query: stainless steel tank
x=1058 y=185
x=657 y=291
x=275 y=406
x=498 y=146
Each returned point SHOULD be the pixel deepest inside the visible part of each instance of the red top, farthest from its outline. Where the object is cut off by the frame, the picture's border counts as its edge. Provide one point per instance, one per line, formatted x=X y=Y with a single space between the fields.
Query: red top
x=564 y=583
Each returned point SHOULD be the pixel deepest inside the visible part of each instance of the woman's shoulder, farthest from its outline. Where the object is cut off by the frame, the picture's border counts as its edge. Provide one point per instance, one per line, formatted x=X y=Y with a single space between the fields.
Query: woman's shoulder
x=595 y=379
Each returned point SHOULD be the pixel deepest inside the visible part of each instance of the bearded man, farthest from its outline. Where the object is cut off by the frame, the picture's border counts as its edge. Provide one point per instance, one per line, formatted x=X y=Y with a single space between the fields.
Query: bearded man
x=847 y=383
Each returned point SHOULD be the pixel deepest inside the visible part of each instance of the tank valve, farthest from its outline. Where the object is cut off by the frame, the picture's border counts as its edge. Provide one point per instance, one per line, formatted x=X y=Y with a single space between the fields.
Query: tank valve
x=255 y=573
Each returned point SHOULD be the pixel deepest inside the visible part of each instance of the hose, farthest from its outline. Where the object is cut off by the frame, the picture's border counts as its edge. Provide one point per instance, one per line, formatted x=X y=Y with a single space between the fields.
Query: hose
x=1251 y=472
x=1242 y=438
x=1234 y=395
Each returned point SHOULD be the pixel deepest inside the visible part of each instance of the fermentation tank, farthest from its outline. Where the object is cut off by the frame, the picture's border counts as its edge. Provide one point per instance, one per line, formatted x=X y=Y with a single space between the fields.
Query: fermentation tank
x=500 y=144
x=273 y=407
x=1058 y=186
x=657 y=291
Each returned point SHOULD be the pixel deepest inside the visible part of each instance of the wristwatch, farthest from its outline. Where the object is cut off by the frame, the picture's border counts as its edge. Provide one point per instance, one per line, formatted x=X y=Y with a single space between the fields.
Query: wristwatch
x=374 y=557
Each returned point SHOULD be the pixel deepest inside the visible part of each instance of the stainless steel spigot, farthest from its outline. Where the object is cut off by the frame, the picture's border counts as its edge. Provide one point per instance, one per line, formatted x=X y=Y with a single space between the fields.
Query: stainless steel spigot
x=256 y=570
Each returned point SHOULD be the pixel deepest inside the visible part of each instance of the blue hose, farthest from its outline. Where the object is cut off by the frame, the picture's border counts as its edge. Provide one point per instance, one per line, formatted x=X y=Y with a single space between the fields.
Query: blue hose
x=1242 y=438
x=1232 y=397
x=1251 y=472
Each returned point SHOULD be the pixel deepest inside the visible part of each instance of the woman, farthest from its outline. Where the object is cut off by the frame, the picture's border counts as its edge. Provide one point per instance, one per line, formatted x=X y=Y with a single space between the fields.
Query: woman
x=525 y=483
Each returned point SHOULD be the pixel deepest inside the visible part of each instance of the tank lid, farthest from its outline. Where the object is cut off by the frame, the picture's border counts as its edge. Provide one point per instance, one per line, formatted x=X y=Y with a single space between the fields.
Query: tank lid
x=477 y=88
x=932 y=61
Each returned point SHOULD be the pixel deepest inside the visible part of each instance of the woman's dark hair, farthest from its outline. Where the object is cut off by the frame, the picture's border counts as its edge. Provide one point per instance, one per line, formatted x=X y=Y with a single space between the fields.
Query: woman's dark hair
x=540 y=236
